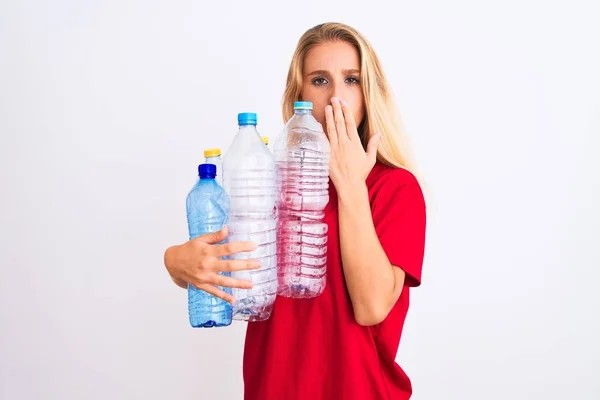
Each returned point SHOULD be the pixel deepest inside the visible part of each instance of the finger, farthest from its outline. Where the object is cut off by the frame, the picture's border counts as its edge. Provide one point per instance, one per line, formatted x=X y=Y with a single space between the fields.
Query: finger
x=331 y=132
x=227 y=281
x=215 y=291
x=214 y=237
x=235 y=265
x=230 y=248
x=351 y=129
x=338 y=115
x=372 y=147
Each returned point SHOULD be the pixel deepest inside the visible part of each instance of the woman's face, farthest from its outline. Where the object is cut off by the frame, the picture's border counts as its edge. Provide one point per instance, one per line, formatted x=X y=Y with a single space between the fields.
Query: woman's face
x=332 y=69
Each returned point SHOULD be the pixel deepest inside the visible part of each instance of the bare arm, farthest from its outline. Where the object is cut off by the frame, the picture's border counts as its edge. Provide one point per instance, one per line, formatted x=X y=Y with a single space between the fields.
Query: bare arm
x=373 y=283
x=170 y=259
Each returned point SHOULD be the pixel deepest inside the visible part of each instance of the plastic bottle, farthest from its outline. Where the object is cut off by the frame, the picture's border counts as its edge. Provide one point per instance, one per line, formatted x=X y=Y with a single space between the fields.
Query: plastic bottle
x=249 y=178
x=302 y=154
x=207 y=207
x=213 y=156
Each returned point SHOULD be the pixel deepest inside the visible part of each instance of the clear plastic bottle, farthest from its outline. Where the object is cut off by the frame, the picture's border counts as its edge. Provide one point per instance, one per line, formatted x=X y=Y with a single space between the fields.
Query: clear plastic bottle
x=213 y=156
x=207 y=207
x=302 y=154
x=249 y=178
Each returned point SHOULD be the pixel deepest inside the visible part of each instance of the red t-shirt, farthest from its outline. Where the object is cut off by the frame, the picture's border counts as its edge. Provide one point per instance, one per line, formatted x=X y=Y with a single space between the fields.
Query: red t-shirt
x=313 y=349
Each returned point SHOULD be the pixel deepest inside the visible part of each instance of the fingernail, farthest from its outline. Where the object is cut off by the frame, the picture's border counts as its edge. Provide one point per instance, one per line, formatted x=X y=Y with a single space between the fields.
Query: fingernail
x=334 y=100
x=344 y=103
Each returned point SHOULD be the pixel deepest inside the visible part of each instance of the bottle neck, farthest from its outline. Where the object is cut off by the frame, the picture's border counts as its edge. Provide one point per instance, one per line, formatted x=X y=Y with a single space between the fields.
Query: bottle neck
x=303 y=112
x=247 y=127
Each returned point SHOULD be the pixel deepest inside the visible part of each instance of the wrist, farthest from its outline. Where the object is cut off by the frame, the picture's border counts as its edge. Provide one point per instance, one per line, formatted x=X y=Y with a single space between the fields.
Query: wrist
x=352 y=192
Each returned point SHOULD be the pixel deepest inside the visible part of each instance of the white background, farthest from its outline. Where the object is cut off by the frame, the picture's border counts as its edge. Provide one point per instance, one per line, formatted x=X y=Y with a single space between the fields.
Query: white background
x=105 y=108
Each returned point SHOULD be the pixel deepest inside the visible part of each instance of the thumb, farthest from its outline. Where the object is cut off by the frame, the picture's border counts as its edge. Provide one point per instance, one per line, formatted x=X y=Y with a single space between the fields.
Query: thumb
x=215 y=237
x=372 y=148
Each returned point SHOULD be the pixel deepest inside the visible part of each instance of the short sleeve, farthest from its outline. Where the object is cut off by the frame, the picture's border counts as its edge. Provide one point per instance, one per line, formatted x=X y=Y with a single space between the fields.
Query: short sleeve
x=399 y=215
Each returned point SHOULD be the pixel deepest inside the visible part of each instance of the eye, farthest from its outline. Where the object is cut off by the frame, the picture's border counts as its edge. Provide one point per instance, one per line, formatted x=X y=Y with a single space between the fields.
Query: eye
x=352 y=80
x=319 y=81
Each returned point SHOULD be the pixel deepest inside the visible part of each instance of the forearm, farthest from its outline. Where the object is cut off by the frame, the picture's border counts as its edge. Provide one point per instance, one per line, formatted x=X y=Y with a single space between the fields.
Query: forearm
x=373 y=283
x=180 y=283
x=169 y=257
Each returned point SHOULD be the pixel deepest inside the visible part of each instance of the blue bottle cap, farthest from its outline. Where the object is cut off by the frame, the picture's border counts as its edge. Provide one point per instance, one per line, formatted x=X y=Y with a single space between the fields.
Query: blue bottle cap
x=303 y=105
x=207 y=171
x=247 y=119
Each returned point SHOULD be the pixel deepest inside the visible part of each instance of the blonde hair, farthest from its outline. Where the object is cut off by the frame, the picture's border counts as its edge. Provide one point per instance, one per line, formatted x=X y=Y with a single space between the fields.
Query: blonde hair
x=381 y=115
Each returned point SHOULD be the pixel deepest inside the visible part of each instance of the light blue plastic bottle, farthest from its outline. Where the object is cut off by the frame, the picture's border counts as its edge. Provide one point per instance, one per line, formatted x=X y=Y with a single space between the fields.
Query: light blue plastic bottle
x=207 y=209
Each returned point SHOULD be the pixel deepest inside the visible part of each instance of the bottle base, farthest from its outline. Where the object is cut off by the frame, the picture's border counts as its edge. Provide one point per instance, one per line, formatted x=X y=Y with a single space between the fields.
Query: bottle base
x=300 y=287
x=252 y=314
x=206 y=310
x=252 y=317
x=209 y=323
x=300 y=291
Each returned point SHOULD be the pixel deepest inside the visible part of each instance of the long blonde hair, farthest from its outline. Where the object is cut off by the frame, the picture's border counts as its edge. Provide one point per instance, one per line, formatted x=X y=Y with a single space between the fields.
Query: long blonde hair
x=381 y=115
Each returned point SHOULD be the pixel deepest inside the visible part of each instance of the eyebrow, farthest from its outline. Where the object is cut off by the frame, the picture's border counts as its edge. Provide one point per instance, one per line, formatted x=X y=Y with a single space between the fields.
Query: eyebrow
x=323 y=72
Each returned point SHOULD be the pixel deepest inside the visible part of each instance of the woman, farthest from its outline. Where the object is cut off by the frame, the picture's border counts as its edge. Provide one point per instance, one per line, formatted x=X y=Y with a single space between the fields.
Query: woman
x=343 y=343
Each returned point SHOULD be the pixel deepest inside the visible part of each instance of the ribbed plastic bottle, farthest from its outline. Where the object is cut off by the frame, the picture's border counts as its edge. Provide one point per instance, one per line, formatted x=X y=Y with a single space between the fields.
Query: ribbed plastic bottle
x=302 y=154
x=207 y=207
x=249 y=178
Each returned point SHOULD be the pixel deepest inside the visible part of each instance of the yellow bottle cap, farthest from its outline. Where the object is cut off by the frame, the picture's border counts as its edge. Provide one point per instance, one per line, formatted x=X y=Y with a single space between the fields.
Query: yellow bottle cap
x=212 y=152
x=265 y=139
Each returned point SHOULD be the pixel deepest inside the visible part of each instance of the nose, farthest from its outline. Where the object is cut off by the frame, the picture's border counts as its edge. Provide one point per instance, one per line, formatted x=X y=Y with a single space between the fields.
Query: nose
x=337 y=91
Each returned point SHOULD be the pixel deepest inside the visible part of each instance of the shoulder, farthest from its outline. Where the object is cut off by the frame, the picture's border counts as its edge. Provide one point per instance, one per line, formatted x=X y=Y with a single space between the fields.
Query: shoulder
x=400 y=218
x=393 y=182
